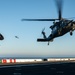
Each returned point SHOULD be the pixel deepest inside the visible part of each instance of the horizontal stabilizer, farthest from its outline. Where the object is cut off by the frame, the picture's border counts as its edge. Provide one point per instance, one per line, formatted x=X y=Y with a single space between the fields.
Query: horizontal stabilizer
x=42 y=40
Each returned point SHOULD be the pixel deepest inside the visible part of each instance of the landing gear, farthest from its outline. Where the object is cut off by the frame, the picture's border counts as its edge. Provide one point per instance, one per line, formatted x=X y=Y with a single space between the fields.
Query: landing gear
x=71 y=33
x=48 y=43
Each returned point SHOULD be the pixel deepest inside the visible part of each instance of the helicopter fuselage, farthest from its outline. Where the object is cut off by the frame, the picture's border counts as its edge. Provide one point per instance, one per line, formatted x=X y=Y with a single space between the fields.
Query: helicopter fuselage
x=1 y=37
x=59 y=29
x=64 y=28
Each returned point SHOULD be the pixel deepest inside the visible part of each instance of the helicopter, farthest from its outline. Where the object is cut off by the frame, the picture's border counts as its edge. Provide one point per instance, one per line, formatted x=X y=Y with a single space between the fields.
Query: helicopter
x=1 y=37
x=17 y=37
x=60 y=25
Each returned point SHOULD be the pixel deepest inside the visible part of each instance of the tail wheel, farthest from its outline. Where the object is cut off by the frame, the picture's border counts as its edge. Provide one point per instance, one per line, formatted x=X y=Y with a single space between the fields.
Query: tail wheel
x=48 y=43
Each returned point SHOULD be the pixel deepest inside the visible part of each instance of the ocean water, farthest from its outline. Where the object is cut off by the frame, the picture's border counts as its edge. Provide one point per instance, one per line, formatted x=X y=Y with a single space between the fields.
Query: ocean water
x=34 y=57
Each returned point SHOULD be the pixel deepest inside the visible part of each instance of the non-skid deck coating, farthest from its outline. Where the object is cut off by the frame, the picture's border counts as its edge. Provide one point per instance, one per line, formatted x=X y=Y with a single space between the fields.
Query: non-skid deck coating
x=46 y=68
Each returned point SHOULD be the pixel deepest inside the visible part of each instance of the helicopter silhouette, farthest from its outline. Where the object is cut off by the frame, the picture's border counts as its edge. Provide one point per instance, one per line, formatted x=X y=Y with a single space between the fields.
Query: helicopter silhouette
x=1 y=37
x=60 y=25
x=17 y=37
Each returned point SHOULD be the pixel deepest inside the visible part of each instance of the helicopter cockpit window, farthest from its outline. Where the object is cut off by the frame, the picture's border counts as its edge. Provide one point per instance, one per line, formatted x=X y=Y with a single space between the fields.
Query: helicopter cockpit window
x=63 y=23
x=55 y=28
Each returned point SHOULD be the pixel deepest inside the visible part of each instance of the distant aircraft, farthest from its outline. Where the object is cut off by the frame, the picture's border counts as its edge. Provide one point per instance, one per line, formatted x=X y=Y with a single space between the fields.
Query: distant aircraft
x=17 y=37
x=1 y=37
x=60 y=25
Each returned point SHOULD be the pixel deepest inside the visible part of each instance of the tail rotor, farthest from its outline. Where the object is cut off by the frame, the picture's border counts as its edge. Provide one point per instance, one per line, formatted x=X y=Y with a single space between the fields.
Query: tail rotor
x=43 y=31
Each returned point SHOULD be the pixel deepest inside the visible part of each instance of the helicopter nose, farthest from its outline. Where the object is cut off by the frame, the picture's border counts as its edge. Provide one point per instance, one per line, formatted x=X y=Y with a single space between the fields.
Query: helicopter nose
x=1 y=37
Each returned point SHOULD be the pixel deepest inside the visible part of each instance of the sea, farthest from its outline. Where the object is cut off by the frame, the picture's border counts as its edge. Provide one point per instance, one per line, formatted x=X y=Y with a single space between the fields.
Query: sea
x=34 y=57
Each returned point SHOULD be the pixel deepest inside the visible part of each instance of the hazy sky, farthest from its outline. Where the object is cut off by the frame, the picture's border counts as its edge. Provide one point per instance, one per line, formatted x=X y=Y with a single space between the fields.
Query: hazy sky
x=11 y=13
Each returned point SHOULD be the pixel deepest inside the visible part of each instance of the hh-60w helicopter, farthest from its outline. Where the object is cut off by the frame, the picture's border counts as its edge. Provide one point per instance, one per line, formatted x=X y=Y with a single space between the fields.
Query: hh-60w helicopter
x=60 y=26
x=1 y=37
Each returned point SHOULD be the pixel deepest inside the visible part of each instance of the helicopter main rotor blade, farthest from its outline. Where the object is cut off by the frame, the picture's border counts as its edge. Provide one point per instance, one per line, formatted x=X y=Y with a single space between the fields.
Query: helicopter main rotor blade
x=59 y=4
x=39 y=19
